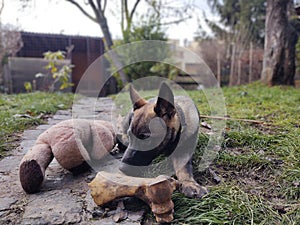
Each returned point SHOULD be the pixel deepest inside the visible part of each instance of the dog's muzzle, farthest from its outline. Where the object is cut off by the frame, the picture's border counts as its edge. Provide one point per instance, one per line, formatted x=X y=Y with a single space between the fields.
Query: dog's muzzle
x=134 y=162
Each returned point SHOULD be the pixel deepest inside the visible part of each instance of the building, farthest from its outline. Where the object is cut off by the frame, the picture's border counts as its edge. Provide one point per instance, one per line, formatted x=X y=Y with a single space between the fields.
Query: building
x=84 y=49
x=189 y=60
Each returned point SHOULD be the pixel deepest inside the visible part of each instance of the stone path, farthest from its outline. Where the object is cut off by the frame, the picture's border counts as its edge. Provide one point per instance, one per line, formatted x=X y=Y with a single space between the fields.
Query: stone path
x=64 y=198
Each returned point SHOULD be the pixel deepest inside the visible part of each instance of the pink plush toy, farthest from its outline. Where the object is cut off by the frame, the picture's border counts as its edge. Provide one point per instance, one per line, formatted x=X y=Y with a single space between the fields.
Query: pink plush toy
x=71 y=142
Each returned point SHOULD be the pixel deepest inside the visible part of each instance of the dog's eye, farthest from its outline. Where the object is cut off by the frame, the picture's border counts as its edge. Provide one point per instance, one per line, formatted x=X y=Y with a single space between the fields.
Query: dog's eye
x=143 y=136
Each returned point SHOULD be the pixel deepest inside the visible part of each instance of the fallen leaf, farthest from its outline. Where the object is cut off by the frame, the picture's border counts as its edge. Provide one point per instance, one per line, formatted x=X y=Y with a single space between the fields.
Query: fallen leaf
x=206 y=125
x=120 y=216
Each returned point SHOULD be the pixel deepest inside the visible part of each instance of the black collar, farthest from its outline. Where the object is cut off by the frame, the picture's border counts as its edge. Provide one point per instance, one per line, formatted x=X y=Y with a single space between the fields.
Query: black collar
x=182 y=120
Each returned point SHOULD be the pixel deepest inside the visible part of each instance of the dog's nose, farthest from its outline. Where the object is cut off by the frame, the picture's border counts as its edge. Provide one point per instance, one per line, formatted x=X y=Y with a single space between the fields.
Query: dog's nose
x=130 y=170
x=124 y=168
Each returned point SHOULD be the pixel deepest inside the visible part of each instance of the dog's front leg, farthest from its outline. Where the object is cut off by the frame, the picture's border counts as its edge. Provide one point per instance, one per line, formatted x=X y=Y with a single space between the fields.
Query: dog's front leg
x=188 y=186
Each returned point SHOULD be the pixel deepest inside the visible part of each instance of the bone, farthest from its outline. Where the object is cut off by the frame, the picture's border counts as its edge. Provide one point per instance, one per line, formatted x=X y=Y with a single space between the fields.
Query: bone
x=156 y=192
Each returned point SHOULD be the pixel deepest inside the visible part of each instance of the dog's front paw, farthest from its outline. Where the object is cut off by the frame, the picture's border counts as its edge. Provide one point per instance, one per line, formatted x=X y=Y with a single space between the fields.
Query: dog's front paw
x=192 y=189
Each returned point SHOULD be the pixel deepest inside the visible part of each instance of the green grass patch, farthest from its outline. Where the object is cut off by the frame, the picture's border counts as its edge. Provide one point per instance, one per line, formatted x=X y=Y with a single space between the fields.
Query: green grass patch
x=21 y=111
x=222 y=205
x=258 y=163
x=230 y=205
x=279 y=106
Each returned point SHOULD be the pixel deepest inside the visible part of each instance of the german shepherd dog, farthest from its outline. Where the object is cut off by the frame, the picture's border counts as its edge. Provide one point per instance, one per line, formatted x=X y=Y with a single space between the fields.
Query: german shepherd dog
x=165 y=125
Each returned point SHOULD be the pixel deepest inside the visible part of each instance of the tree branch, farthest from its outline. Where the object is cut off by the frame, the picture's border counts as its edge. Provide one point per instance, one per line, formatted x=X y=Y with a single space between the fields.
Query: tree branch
x=233 y=119
x=122 y=16
x=2 y=6
x=82 y=10
x=104 y=6
x=126 y=11
x=173 y=22
x=99 y=4
x=134 y=9
x=94 y=7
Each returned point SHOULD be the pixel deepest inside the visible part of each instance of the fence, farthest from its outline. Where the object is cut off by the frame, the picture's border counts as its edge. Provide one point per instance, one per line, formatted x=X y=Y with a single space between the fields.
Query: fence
x=20 y=70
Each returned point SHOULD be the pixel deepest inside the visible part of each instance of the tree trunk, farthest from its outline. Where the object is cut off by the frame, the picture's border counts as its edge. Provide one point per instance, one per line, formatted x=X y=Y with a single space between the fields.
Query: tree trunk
x=109 y=44
x=100 y=19
x=219 y=68
x=280 y=41
x=231 y=76
x=105 y=30
x=250 y=63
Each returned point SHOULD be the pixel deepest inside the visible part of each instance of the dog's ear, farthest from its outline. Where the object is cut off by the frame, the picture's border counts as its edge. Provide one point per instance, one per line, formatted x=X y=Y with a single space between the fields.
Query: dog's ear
x=136 y=99
x=165 y=102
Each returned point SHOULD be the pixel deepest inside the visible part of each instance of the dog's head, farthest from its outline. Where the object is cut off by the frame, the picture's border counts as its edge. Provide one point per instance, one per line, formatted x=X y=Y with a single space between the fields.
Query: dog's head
x=153 y=129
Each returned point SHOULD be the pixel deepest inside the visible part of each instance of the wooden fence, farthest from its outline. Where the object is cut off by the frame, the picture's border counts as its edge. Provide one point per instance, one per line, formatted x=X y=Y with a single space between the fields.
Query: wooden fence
x=20 y=70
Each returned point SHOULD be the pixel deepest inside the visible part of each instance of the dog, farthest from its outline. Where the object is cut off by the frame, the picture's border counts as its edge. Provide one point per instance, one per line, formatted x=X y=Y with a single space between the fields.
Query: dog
x=165 y=125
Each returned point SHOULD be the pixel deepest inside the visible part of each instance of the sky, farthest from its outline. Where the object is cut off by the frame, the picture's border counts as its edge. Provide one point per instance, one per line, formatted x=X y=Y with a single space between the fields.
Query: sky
x=60 y=17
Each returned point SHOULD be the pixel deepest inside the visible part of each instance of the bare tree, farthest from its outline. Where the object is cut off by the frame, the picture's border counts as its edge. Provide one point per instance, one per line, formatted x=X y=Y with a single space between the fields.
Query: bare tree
x=127 y=18
x=281 y=38
x=1 y=6
x=176 y=11
x=10 y=42
x=99 y=17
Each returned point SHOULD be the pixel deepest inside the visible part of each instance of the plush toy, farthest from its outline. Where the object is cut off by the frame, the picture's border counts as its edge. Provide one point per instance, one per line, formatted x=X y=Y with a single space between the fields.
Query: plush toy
x=72 y=143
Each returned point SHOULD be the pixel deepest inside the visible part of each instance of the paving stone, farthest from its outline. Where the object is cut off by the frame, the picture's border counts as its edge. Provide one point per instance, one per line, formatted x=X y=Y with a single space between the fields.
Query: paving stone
x=64 y=112
x=53 y=207
x=61 y=117
x=109 y=221
x=5 y=203
x=43 y=127
x=105 y=116
x=26 y=145
x=31 y=134
x=53 y=122
x=9 y=164
x=87 y=117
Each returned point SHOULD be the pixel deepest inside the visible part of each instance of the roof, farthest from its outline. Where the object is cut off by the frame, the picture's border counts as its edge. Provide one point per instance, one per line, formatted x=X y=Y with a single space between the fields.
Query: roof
x=35 y=44
x=27 y=33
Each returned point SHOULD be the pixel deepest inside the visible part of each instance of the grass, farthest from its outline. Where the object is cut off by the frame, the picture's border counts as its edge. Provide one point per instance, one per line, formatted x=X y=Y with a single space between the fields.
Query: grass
x=259 y=164
x=225 y=205
x=21 y=111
